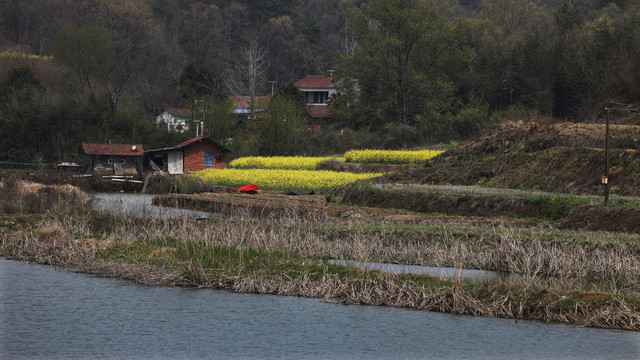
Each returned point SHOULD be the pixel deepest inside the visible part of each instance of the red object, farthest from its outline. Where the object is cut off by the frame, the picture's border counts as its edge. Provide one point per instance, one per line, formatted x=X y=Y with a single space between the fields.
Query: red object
x=248 y=187
x=243 y=188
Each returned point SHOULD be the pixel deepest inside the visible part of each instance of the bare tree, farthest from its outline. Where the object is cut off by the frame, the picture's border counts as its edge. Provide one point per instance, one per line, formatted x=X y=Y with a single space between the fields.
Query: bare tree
x=250 y=70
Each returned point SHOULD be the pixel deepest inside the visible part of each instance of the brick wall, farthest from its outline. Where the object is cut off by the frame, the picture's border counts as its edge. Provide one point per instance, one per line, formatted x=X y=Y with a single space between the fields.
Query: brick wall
x=194 y=157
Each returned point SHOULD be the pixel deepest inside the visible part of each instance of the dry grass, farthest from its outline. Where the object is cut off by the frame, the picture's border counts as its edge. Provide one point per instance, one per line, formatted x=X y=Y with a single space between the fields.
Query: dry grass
x=79 y=241
x=20 y=197
x=527 y=256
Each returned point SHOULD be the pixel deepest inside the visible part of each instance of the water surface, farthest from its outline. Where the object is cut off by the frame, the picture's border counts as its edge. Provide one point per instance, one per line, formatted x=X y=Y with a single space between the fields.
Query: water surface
x=140 y=205
x=48 y=313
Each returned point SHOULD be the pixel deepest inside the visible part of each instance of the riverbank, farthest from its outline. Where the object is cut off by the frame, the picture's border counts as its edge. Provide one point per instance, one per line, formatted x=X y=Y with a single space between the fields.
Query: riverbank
x=286 y=252
x=173 y=261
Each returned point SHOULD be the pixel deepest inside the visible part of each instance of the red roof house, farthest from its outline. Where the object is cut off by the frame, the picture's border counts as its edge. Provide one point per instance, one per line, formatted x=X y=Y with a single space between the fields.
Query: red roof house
x=115 y=159
x=317 y=89
x=194 y=154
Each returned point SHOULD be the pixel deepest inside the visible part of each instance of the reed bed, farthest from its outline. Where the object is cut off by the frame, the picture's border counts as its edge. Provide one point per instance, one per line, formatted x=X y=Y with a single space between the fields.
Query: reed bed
x=494 y=300
x=525 y=256
x=281 y=254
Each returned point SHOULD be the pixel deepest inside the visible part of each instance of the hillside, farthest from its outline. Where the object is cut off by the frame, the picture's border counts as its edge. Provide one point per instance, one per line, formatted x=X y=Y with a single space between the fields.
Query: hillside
x=558 y=157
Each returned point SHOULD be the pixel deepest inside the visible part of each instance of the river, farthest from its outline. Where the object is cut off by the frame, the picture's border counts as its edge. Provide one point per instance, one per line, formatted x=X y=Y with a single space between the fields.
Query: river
x=49 y=313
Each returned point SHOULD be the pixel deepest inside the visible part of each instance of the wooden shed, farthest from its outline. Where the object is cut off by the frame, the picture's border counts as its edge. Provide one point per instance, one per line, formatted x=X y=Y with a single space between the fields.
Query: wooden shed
x=195 y=154
x=115 y=159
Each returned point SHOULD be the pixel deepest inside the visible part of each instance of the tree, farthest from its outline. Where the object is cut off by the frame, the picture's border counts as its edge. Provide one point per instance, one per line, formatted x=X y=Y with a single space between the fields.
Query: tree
x=22 y=115
x=198 y=82
x=201 y=33
x=86 y=53
x=281 y=131
x=403 y=46
x=250 y=70
x=220 y=121
x=291 y=92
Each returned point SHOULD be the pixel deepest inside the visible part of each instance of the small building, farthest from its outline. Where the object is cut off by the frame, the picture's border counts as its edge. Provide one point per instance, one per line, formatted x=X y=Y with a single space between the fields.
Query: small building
x=195 y=154
x=242 y=104
x=318 y=90
x=115 y=159
x=176 y=119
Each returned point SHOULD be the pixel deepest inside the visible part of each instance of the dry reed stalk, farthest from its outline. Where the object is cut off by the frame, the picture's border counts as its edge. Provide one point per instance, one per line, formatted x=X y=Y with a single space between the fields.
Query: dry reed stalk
x=383 y=290
x=533 y=261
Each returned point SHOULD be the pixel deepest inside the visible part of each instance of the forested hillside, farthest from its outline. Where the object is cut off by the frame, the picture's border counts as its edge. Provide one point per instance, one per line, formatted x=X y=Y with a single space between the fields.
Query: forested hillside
x=427 y=70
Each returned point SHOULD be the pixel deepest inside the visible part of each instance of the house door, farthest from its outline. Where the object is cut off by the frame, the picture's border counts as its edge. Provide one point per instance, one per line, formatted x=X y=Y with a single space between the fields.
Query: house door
x=175 y=162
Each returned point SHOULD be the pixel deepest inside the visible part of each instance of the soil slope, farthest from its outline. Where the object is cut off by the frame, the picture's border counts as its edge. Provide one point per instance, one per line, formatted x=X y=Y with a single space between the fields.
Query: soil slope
x=562 y=157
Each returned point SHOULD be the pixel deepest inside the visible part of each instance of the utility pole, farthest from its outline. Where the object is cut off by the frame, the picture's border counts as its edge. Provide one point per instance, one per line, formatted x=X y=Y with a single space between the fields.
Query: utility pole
x=605 y=179
x=273 y=85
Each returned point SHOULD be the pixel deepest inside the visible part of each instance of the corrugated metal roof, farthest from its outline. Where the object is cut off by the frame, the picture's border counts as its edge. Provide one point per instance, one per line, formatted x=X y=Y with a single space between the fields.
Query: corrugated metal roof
x=113 y=149
x=317 y=111
x=316 y=82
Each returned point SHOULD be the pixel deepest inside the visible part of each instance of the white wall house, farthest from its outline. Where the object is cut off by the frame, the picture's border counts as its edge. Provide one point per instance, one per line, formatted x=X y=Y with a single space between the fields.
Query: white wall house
x=176 y=119
x=318 y=90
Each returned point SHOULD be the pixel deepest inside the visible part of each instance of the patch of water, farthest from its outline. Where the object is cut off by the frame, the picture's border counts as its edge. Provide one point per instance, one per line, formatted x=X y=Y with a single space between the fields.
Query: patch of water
x=445 y=273
x=124 y=204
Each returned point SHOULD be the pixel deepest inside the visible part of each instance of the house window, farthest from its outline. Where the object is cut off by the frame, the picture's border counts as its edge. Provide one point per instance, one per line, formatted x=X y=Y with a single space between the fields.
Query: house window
x=208 y=158
x=317 y=97
x=320 y=97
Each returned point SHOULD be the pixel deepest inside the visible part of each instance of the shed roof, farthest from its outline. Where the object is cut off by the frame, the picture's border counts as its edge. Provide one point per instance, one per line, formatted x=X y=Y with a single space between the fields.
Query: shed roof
x=113 y=149
x=316 y=82
x=190 y=142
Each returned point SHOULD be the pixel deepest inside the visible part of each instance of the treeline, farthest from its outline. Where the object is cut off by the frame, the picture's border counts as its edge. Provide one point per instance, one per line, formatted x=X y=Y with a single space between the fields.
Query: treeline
x=427 y=70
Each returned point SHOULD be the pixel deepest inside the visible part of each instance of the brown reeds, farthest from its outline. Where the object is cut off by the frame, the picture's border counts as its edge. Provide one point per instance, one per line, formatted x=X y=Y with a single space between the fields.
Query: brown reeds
x=80 y=242
x=25 y=197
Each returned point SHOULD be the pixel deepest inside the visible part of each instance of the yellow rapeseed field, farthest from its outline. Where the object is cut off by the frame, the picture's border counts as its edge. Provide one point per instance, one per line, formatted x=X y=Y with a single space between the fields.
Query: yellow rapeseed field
x=282 y=180
x=6 y=54
x=390 y=156
x=279 y=162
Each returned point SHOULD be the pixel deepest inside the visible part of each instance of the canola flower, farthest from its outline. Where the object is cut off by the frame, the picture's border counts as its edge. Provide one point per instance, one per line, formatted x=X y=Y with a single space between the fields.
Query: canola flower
x=282 y=180
x=6 y=54
x=279 y=162
x=390 y=156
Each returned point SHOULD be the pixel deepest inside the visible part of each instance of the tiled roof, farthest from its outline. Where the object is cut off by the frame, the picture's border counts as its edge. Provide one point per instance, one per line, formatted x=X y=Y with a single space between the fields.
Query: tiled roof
x=113 y=149
x=179 y=112
x=244 y=102
x=316 y=82
x=189 y=142
x=317 y=111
